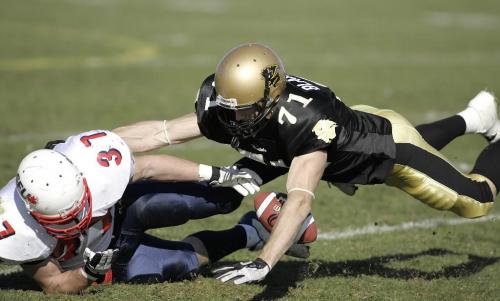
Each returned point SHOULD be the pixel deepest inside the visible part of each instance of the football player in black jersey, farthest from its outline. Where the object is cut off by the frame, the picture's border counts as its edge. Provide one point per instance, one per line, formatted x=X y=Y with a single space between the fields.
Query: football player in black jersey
x=287 y=124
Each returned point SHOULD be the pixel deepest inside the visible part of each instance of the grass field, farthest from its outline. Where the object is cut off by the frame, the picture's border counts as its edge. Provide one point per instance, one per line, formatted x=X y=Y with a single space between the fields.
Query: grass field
x=74 y=65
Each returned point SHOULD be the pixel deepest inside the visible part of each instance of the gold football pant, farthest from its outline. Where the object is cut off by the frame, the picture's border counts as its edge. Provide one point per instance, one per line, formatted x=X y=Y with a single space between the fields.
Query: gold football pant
x=424 y=173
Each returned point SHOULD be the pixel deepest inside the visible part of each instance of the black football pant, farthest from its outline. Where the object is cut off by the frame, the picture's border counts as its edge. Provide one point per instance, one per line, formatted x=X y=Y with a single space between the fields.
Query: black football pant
x=424 y=173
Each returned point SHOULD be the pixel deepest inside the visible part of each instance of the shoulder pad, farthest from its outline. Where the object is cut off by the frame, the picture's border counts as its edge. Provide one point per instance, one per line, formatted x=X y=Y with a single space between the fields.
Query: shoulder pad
x=105 y=161
x=204 y=96
x=22 y=239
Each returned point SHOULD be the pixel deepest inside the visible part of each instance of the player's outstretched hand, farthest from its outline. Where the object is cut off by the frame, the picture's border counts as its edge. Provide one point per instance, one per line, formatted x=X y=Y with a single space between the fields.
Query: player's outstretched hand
x=98 y=263
x=243 y=272
x=244 y=180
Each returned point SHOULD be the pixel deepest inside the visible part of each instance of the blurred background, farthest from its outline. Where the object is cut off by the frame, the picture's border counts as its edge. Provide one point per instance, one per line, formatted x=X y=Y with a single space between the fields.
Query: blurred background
x=73 y=65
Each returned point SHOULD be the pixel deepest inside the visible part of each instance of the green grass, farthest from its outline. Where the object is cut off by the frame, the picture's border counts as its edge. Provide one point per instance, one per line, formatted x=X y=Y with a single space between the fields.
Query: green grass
x=69 y=66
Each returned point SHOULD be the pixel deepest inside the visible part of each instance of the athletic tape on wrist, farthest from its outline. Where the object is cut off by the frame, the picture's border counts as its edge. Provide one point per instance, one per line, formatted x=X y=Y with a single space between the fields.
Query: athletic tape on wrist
x=205 y=172
x=165 y=132
x=304 y=190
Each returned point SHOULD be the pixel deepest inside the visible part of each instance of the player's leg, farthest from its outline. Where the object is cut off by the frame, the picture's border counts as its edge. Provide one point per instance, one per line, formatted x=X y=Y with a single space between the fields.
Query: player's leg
x=188 y=200
x=431 y=179
x=440 y=133
x=157 y=260
x=479 y=117
x=423 y=172
x=426 y=174
x=150 y=205
x=248 y=233
x=211 y=245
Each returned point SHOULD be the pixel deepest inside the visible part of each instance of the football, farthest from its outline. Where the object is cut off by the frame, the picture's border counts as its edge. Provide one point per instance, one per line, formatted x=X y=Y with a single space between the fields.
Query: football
x=267 y=207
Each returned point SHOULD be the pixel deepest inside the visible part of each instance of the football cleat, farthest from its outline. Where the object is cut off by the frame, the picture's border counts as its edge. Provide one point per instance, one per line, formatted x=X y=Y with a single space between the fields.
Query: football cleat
x=481 y=116
x=250 y=218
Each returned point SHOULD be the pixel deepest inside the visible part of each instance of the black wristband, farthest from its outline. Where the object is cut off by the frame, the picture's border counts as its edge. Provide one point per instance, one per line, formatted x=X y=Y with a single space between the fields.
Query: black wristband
x=92 y=275
x=215 y=174
x=260 y=263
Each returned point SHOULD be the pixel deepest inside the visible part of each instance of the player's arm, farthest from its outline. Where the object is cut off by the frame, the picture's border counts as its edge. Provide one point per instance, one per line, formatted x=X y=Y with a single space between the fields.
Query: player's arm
x=303 y=178
x=168 y=168
x=165 y=168
x=50 y=277
x=150 y=135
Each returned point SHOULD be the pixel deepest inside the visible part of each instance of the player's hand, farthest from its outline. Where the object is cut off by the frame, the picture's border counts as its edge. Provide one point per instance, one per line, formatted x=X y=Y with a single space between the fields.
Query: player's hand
x=243 y=272
x=98 y=263
x=244 y=180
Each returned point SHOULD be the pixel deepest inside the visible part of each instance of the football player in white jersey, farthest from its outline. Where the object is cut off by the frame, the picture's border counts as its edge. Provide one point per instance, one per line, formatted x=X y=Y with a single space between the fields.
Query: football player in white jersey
x=56 y=216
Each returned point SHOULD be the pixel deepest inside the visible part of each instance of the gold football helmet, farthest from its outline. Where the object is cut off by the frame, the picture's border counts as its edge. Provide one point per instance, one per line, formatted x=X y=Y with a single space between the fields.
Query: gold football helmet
x=249 y=80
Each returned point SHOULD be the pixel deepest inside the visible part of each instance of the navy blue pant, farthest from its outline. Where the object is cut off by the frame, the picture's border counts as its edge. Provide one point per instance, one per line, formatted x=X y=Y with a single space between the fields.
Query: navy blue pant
x=148 y=205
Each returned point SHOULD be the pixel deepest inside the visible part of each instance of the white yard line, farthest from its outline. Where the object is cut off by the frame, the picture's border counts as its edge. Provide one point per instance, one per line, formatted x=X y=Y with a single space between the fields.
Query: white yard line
x=406 y=226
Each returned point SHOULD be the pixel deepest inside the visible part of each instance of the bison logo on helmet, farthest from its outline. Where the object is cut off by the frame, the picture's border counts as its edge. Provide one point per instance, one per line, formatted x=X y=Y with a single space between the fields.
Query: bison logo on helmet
x=271 y=76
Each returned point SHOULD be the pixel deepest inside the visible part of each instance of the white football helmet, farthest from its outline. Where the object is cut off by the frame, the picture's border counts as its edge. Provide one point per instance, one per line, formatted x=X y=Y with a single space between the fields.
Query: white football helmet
x=55 y=193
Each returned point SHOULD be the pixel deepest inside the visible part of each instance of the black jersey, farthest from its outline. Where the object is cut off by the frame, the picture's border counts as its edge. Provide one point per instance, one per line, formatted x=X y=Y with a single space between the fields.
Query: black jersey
x=309 y=117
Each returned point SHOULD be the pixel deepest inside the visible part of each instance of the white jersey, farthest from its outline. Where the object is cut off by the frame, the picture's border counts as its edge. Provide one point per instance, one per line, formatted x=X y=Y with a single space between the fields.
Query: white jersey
x=22 y=238
x=107 y=164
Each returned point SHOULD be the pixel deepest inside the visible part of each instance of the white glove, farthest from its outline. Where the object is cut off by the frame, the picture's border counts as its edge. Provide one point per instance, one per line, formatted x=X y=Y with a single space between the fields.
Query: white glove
x=243 y=272
x=98 y=263
x=244 y=180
